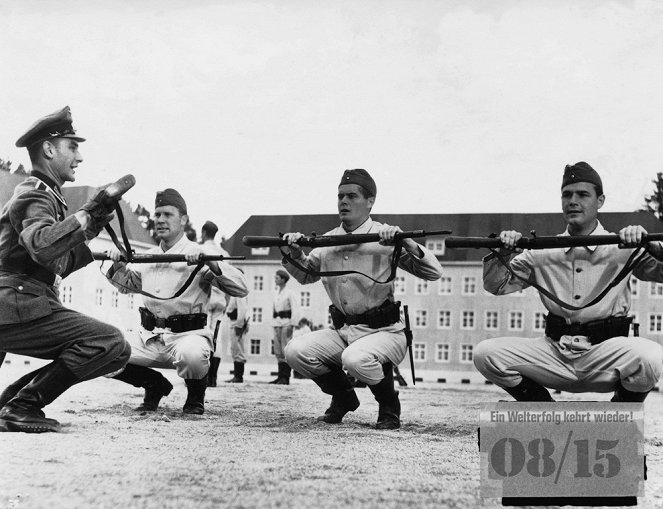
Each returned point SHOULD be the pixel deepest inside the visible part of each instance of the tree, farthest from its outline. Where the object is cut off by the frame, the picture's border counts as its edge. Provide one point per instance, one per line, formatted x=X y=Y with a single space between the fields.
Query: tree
x=654 y=202
x=7 y=166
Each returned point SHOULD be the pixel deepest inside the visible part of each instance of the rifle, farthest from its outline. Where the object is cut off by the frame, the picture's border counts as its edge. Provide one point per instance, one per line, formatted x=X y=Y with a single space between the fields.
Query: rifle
x=335 y=240
x=561 y=241
x=165 y=258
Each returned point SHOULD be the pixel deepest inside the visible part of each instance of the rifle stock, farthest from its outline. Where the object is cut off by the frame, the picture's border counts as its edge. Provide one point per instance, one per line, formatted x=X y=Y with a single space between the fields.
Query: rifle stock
x=335 y=240
x=560 y=241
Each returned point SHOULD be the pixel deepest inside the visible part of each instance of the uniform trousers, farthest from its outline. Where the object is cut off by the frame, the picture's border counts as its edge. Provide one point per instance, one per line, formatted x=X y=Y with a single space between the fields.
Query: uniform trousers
x=187 y=352
x=237 y=345
x=282 y=335
x=313 y=354
x=88 y=347
x=572 y=364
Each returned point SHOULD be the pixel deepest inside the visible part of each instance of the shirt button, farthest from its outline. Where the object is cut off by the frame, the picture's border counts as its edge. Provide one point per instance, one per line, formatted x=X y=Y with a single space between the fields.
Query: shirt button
x=345 y=302
x=578 y=269
x=576 y=297
x=576 y=340
x=20 y=288
x=157 y=290
x=345 y=257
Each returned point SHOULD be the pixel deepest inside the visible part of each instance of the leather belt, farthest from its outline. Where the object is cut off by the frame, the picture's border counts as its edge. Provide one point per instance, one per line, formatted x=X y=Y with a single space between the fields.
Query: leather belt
x=176 y=323
x=382 y=316
x=282 y=314
x=597 y=330
x=30 y=269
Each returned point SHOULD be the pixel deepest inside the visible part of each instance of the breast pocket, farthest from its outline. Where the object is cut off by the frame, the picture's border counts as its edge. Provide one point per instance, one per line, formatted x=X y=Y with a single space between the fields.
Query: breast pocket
x=22 y=301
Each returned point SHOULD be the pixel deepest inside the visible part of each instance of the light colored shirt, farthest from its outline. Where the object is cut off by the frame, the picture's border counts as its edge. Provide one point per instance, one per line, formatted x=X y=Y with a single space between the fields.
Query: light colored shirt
x=354 y=294
x=241 y=305
x=576 y=275
x=165 y=279
x=218 y=299
x=286 y=300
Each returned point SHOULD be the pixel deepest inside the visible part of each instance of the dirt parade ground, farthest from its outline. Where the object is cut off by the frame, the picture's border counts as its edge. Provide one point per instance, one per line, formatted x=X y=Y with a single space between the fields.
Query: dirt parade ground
x=259 y=445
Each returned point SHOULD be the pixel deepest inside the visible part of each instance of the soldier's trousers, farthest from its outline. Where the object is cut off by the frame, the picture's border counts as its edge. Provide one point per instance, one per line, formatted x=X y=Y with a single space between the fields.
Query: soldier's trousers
x=88 y=347
x=282 y=336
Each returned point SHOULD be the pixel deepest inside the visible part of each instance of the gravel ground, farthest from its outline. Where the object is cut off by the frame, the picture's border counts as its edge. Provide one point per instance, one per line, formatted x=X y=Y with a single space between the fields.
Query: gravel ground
x=259 y=445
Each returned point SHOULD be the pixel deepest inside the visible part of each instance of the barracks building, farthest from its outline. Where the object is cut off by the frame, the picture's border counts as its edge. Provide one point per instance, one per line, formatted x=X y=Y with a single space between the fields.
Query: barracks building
x=448 y=317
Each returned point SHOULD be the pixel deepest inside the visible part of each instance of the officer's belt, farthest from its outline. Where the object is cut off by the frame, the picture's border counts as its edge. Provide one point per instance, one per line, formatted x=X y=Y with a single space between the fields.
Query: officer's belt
x=176 y=323
x=30 y=269
x=382 y=316
x=283 y=314
x=597 y=330
x=232 y=314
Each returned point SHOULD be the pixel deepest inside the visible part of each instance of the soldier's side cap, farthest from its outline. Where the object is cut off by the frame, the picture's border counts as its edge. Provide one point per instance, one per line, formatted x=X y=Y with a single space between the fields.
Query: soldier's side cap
x=582 y=172
x=360 y=177
x=56 y=125
x=170 y=197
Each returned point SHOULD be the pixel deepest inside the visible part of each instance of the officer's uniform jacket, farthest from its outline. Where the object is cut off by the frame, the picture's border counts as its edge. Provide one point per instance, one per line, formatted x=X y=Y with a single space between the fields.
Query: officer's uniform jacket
x=354 y=294
x=164 y=279
x=576 y=275
x=35 y=237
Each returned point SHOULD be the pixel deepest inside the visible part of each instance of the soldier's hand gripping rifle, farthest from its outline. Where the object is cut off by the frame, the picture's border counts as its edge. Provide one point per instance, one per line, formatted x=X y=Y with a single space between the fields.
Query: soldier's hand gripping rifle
x=314 y=241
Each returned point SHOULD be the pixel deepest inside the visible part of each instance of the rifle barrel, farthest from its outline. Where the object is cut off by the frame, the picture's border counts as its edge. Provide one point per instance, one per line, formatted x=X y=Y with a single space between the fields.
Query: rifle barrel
x=334 y=240
x=167 y=258
x=560 y=241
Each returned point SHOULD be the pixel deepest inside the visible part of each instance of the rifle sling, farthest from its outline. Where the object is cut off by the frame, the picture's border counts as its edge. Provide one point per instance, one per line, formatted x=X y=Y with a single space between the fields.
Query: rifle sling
x=626 y=270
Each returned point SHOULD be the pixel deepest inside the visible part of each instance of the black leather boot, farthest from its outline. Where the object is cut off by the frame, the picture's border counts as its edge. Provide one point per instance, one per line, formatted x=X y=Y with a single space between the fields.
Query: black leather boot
x=284 y=374
x=389 y=413
x=529 y=390
x=238 y=374
x=195 y=400
x=155 y=384
x=13 y=388
x=344 y=398
x=24 y=411
x=278 y=377
x=625 y=396
x=213 y=371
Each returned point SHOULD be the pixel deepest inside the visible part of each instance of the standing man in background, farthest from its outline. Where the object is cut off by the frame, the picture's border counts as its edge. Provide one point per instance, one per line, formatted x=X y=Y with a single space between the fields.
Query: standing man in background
x=286 y=311
x=237 y=312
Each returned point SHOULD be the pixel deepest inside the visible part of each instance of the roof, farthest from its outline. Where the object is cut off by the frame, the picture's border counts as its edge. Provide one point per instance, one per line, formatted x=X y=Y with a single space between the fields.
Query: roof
x=465 y=225
x=76 y=196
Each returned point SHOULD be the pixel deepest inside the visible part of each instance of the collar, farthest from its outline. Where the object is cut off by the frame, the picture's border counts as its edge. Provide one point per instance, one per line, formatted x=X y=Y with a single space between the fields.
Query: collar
x=364 y=227
x=50 y=184
x=177 y=246
x=599 y=230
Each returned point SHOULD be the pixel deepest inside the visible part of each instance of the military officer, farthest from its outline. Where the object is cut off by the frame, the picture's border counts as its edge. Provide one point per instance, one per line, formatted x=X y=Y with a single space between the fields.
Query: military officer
x=38 y=247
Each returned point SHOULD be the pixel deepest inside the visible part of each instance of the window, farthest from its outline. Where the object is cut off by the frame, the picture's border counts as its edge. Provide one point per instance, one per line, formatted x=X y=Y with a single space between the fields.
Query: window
x=115 y=298
x=399 y=284
x=258 y=283
x=515 y=320
x=420 y=318
x=445 y=285
x=655 y=289
x=442 y=352
x=419 y=351
x=443 y=319
x=254 y=348
x=634 y=286
x=66 y=294
x=466 y=353
x=256 y=315
x=655 y=322
x=99 y=297
x=435 y=246
x=467 y=320
x=305 y=301
x=539 y=321
x=260 y=251
x=469 y=285
x=491 y=320
x=421 y=287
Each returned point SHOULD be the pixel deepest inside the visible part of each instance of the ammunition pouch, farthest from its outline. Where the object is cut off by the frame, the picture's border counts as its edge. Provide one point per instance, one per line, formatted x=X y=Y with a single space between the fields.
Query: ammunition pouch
x=282 y=314
x=382 y=316
x=597 y=330
x=176 y=323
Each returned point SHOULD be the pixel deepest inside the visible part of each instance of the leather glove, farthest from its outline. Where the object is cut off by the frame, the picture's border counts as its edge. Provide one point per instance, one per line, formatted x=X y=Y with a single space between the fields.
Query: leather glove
x=96 y=224
x=103 y=203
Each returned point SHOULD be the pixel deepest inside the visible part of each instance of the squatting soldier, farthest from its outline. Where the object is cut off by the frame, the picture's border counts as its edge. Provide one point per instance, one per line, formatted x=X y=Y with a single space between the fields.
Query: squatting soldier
x=38 y=247
x=585 y=349
x=368 y=335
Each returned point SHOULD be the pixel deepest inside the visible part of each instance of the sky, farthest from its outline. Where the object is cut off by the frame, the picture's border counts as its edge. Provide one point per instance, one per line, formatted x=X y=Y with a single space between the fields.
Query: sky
x=256 y=107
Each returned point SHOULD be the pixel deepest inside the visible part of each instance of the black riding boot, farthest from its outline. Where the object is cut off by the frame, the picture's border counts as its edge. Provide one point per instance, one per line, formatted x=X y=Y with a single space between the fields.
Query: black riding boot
x=284 y=374
x=389 y=413
x=155 y=384
x=195 y=400
x=344 y=398
x=13 y=388
x=24 y=411
x=238 y=374
x=529 y=390
x=278 y=376
x=213 y=371
x=625 y=396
